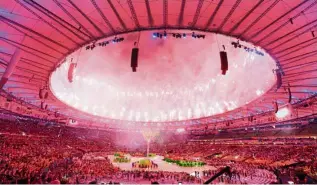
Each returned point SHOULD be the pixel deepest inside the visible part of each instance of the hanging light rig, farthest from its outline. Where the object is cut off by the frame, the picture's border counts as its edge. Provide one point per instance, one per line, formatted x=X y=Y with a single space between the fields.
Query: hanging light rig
x=104 y=43
x=163 y=35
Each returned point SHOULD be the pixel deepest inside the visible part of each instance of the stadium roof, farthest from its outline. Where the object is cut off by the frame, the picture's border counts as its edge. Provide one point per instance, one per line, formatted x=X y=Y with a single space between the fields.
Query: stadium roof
x=48 y=31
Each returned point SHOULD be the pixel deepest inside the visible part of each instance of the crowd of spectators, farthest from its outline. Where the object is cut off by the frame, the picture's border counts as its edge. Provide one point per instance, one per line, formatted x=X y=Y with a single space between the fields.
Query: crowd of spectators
x=32 y=152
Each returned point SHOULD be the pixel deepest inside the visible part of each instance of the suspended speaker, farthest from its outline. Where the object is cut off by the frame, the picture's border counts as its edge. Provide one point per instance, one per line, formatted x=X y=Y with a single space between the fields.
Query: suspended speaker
x=275 y=107
x=278 y=79
x=289 y=94
x=224 y=62
x=71 y=69
x=134 y=59
x=46 y=95
x=46 y=106
x=41 y=93
x=42 y=105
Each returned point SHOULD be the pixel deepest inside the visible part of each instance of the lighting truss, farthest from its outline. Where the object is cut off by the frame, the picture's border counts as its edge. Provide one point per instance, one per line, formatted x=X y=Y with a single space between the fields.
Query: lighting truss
x=104 y=43
x=165 y=34
x=247 y=49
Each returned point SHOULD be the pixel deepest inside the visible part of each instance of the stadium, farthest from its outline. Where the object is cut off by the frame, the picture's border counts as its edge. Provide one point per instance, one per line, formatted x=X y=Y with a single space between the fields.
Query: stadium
x=158 y=92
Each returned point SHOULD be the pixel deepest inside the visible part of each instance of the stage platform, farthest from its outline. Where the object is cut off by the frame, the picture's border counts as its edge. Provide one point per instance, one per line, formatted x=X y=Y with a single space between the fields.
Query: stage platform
x=162 y=165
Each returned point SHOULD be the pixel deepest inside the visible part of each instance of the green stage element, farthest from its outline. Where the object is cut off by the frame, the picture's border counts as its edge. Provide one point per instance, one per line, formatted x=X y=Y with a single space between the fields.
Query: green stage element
x=185 y=163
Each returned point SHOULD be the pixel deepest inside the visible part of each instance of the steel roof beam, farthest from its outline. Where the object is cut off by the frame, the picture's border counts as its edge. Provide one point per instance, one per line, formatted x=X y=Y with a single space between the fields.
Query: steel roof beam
x=181 y=13
x=20 y=87
x=103 y=16
x=88 y=33
x=287 y=22
x=49 y=24
x=86 y=17
x=213 y=15
x=298 y=49
x=117 y=15
x=149 y=13
x=23 y=92
x=300 y=79
x=37 y=65
x=300 y=86
x=234 y=7
x=293 y=46
x=299 y=59
x=34 y=32
x=245 y=16
x=292 y=38
x=30 y=36
x=301 y=55
x=293 y=75
x=38 y=73
x=55 y=18
x=197 y=13
x=29 y=52
x=299 y=65
x=165 y=13
x=290 y=33
x=22 y=82
x=134 y=16
x=276 y=20
x=259 y=18
x=20 y=44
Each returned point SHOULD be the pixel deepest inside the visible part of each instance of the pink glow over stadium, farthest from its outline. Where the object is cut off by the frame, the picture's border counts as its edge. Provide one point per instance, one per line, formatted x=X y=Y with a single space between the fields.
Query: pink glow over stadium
x=177 y=79
x=236 y=105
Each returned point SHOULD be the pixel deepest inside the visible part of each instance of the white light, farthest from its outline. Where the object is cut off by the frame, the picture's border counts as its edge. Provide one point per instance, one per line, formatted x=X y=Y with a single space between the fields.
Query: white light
x=75 y=104
x=259 y=92
x=180 y=89
x=282 y=113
